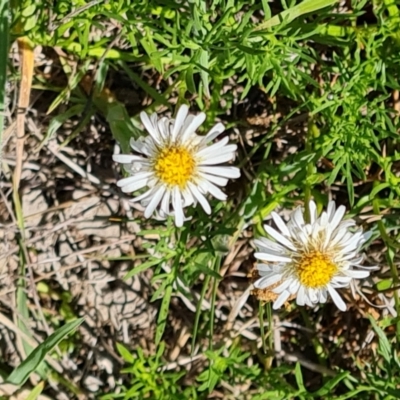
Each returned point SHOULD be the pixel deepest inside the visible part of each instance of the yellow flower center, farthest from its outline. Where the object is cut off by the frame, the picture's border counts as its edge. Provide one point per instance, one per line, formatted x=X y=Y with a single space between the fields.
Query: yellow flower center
x=174 y=166
x=315 y=269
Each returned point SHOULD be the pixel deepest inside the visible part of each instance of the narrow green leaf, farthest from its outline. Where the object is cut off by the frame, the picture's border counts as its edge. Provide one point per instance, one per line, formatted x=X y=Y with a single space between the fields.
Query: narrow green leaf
x=299 y=377
x=378 y=188
x=207 y=270
x=384 y=345
x=305 y=7
x=163 y=314
x=72 y=84
x=142 y=267
x=327 y=388
x=125 y=353
x=204 y=56
x=121 y=126
x=145 y=86
x=32 y=362
x=34 y=394
x=59 y=120
x=198 y=310
x=350 y=185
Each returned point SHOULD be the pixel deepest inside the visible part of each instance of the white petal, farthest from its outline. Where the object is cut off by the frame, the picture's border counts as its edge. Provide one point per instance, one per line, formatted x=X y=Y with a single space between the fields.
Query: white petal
x=165 y=202
x=214 y=132
x=226 y=172
x=131 y=179
x=214 y=179
x=126 y=158
x=341 y=279
x=141 y=146
x=193 y=126
x=357 y=274
x=294 y=286
x=266 y=275
x=280 y=224
x=264 y=268
x=312 y=295
x=340 y=304
x=214 y=148
x=200 y=198
x=280 y=238
x=323 y=219
x=366 y=236
x=180 y=120
x=271 y=257
x=163 y=128
x=177 y=204
x=144 y=196
x=188 y=198
x=352 y=244
x=337 y=217
x=132 y=187
x=341 y=235
x=218 y=159
x=301 y=296
x=214 y=190
x=331 y=210
x=280 y=300
x=154 y=201
x=323 y=295
x=297 y=217
x=313 y=211
x=152 y=129
x=218 y=152
x=264 y=243
x=267 y=281
x=283 y=286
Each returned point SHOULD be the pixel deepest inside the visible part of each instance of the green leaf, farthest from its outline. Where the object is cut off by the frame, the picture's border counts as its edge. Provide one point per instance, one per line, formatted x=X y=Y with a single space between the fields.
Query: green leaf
x=32 y=362
x=121 y=126
x=384 y=284
x=163 y=314
x=142 y=267
x=299 y=377
x=204 y=58
x=59 y=120
x=207 y=270
x=327 y=388
x=34 y=394
x=145 y=86
x=384 y=345
x=125 y=353
x=305 y=7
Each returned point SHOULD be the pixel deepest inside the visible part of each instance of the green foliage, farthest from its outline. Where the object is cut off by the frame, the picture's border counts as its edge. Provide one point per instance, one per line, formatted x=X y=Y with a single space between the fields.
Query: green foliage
x=37 y=356
x=327 y=78
x=149 y=379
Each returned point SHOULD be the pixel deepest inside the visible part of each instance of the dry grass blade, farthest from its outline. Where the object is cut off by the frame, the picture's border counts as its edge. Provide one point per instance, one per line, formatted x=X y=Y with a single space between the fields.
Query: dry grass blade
x=27 y=62
x=3 y=67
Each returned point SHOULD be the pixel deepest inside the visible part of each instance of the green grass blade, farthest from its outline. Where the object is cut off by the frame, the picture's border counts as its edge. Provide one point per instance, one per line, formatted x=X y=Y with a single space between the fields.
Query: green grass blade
x=34 y=394
x=163 y=315
x=198 y=311
x=32 y=362
x=305 y=7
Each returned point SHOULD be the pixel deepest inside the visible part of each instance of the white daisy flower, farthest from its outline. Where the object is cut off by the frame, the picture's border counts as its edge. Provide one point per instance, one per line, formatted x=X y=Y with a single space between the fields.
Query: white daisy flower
x=177 y=165
x=308 y=261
